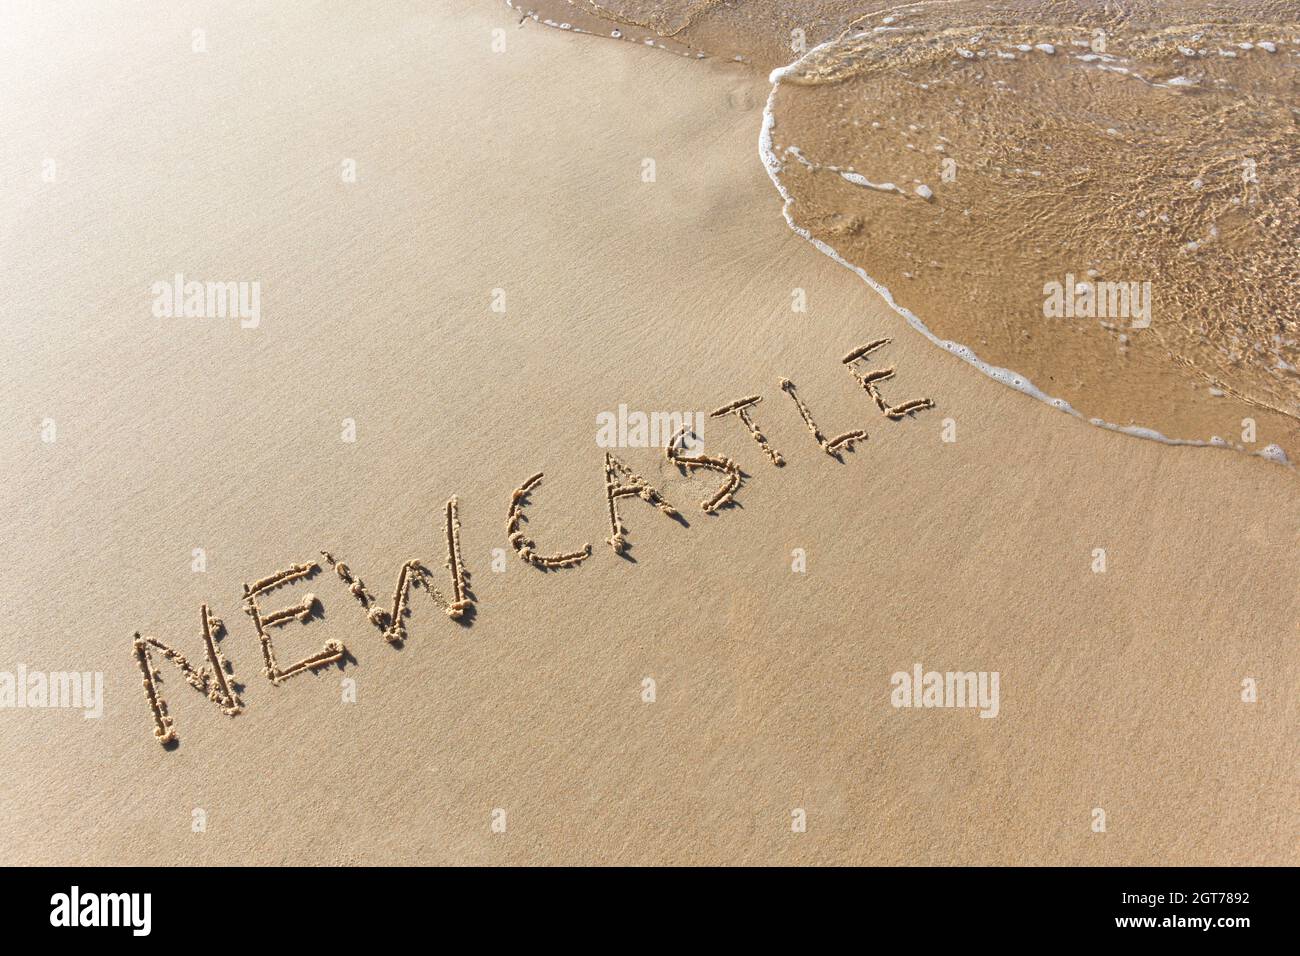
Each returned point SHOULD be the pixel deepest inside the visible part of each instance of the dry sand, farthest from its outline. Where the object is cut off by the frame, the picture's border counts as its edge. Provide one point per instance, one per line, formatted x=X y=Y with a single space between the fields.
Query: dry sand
x=522 y=171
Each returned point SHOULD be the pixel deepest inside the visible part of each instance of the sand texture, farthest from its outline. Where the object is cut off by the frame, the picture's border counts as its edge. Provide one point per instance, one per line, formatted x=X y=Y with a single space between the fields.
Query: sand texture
x=628 y=659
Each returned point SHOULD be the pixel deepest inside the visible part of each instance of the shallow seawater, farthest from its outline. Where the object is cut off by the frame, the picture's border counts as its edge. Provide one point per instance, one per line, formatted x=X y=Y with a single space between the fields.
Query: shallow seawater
x=1103 y=198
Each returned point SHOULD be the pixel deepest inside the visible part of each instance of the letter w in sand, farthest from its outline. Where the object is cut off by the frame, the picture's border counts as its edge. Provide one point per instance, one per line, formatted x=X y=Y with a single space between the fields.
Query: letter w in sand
x=393 y=622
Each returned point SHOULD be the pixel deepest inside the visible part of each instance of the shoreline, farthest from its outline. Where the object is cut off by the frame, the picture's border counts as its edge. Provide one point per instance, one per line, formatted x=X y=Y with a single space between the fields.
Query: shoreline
x=1004 y=375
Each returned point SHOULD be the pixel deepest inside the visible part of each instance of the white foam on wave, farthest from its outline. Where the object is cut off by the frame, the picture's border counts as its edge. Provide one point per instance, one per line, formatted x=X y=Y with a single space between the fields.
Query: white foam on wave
x=858 y=179
x=1008 y=377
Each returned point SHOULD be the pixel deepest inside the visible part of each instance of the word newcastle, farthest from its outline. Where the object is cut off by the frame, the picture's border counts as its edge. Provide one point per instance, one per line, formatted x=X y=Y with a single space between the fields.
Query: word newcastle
x=215 y=678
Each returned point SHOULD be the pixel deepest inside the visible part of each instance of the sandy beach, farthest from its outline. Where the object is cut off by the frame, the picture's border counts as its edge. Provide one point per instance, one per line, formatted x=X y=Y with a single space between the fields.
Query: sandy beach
x=474 y=239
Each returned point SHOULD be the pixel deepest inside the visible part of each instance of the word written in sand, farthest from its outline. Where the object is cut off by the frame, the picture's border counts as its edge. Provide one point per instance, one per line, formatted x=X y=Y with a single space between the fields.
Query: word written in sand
x=215 y=678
